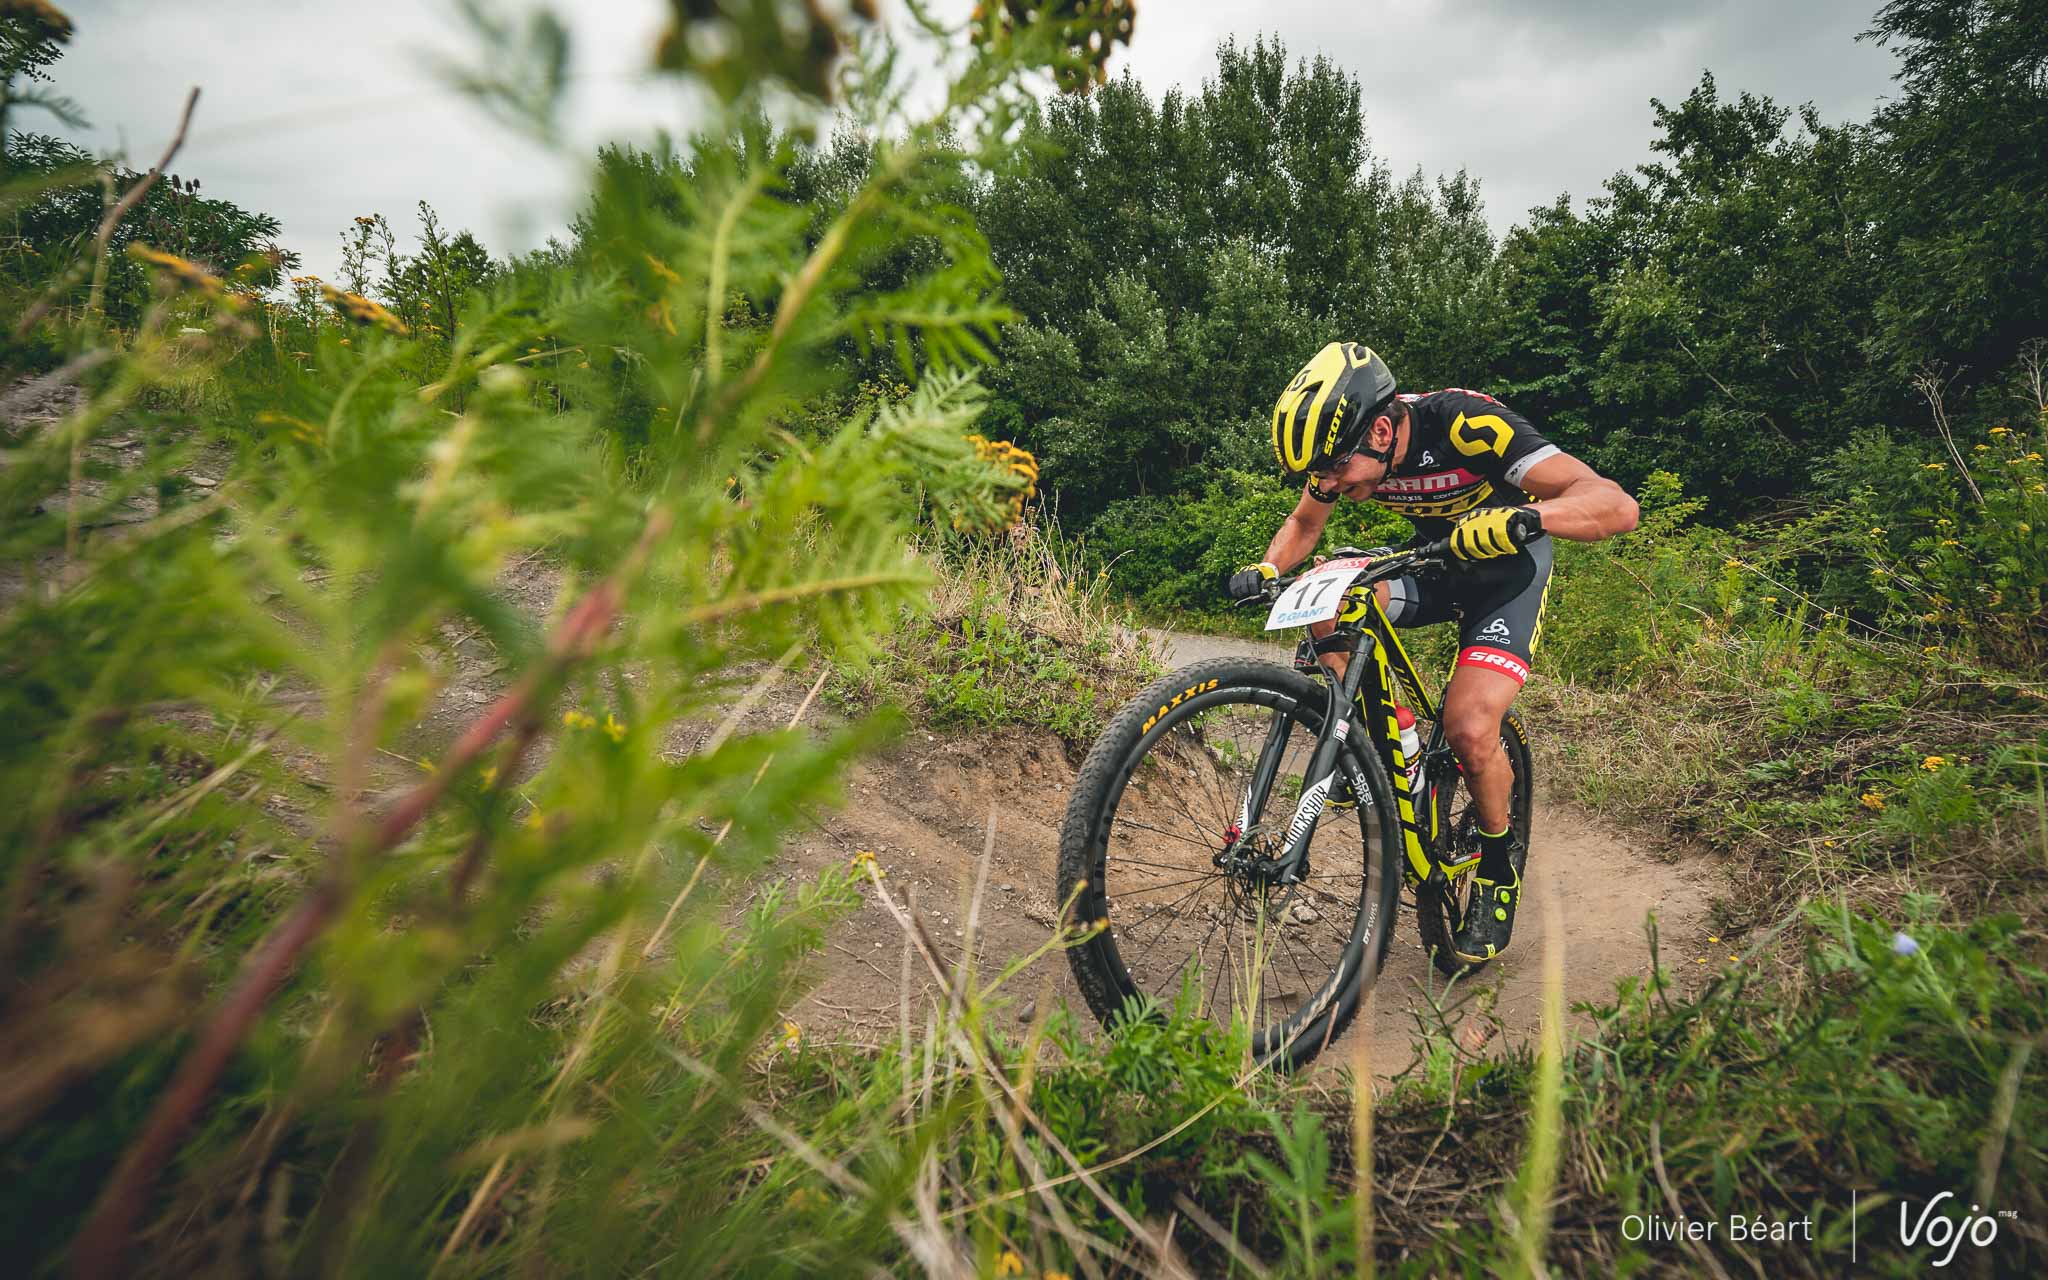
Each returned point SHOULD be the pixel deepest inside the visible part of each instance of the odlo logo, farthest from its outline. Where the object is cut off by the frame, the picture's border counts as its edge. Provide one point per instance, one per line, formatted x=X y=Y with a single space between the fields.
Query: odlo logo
x=1943 y=1233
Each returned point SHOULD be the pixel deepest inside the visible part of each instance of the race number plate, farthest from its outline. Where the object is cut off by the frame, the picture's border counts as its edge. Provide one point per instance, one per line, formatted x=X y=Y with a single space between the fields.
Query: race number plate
x=1317 y=595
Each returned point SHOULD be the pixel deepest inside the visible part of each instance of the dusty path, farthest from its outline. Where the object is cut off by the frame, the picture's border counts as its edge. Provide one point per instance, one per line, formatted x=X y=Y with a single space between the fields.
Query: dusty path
x=923 y=808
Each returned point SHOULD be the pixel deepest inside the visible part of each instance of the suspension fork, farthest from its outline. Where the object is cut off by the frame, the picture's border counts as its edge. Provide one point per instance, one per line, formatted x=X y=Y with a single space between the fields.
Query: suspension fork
x=1253 y=803
x=1322 y=764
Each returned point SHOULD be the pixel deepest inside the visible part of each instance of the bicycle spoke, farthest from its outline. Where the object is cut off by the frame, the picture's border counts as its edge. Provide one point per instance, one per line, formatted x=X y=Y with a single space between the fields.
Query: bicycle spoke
x=1134 y=926
x=1206 y=846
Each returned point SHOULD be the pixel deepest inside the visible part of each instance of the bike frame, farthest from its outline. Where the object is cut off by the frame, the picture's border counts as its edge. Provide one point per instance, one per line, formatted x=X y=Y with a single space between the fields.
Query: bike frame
x=1366 y=693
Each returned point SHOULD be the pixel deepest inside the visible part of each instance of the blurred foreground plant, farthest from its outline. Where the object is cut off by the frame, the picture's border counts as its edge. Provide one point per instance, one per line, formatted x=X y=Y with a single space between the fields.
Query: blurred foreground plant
x=355 y=916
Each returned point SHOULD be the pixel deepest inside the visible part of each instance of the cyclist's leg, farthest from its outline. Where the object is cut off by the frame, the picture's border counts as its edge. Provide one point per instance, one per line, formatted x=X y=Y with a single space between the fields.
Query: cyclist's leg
x=1503 y=616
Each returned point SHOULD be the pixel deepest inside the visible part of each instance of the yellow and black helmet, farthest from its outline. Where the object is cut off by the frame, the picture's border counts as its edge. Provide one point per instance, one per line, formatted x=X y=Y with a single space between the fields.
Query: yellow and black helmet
x=1324 y=412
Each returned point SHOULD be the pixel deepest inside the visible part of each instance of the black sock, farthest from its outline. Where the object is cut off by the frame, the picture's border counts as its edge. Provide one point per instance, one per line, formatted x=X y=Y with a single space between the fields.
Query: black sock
x=1494 y=863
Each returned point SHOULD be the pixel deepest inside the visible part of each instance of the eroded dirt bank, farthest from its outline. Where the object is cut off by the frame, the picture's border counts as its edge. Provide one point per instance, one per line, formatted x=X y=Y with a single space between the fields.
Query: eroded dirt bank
x=923 y=808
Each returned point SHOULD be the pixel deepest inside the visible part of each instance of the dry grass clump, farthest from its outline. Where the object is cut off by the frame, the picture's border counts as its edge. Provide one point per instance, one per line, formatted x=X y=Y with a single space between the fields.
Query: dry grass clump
x=1015 y=631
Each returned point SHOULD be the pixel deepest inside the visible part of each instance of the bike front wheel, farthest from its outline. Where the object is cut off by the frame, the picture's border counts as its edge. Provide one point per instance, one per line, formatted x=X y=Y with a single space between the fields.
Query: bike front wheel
x=1164 y=842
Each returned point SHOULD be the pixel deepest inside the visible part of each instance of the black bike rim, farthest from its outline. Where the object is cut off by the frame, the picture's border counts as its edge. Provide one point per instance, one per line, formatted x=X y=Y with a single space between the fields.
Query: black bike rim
x=1359 y=895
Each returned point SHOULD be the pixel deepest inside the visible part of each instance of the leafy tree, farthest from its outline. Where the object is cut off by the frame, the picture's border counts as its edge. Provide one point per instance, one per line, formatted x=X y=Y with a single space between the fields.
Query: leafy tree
x=32 y=39
x=426 y=289
x=1176 y=260
x=1963 y=154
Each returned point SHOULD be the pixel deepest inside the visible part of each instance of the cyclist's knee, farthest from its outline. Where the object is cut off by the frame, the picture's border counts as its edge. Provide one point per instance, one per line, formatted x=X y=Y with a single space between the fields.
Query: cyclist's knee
x=1474 y=738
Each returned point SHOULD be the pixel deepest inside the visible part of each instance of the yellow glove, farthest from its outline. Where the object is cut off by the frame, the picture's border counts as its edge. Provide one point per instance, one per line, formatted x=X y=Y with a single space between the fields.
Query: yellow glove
x=1495 y=531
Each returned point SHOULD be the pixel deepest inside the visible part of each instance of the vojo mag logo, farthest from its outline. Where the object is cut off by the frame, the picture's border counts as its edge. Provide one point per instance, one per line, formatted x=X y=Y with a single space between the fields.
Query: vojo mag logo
x=1933 y=1226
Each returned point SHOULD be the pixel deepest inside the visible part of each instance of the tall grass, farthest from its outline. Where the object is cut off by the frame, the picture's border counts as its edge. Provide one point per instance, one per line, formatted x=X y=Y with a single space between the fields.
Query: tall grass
x=1015 y=631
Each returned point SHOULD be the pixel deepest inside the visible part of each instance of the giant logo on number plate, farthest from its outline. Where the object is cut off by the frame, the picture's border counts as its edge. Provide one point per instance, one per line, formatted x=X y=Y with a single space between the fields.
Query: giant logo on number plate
x=1317 y=595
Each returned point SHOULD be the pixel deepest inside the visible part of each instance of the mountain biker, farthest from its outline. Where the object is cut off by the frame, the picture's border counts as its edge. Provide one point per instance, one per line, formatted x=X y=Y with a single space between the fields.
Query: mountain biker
x=1459 y=463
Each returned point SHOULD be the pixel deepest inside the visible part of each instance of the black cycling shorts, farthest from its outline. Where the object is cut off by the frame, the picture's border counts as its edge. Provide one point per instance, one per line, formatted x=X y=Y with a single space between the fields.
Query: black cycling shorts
x=1498 y=605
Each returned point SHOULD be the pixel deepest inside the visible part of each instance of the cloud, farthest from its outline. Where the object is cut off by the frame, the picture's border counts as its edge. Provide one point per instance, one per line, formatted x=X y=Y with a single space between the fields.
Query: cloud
x=1536 y=97
x=316 y=112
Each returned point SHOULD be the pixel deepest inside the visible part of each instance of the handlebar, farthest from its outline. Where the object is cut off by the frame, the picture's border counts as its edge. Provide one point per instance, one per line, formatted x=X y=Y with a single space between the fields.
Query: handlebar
x=1429 y=555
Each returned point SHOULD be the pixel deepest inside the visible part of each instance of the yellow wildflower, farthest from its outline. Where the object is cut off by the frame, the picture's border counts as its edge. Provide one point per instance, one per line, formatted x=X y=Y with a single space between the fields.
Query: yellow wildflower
x=792 y=1035
x=1056 y=1275
x=426 y=765
x=1999 y=431
x=578 y=720
x=1950 y=542
x=1713 y=938
x=1009 y=1264
x=489 y=774
x=301 y=430
x=1770 y=599
x=1935 y=466
x=1980 y=448
x=1732 y=563
x=1873 y=801
x=2033 y=457
x=1933 y=763
x=354 y=306
x=613 y=729
x=1932 y=648
x=187 y=273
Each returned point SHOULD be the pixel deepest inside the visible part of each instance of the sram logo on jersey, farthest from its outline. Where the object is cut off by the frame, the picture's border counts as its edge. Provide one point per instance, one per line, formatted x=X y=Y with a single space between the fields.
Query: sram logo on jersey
x=1495 y=660
x=1429 y=482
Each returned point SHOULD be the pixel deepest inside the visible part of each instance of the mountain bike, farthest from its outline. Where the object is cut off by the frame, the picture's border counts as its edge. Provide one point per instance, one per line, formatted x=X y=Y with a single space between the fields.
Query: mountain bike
x=1238 y=836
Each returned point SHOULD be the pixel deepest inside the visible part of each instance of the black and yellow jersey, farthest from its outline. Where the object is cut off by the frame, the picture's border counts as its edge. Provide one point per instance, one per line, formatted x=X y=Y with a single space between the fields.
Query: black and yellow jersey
x=1466 y=450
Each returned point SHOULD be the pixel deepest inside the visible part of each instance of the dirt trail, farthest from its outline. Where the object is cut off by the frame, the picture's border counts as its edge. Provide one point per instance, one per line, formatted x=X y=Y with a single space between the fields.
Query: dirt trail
x=923 y=809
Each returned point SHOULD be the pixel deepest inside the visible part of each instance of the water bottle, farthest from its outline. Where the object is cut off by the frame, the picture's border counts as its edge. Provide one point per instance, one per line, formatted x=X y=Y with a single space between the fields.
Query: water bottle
x=1411 y=748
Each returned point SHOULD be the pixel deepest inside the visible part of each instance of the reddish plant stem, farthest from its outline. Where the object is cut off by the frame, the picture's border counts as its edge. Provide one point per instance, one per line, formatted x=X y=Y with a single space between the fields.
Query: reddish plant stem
x=508 y=764
x=102 y=1243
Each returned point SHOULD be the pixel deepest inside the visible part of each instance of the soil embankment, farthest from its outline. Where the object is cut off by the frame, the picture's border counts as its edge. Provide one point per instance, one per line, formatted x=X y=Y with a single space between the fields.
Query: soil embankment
x=924 y=807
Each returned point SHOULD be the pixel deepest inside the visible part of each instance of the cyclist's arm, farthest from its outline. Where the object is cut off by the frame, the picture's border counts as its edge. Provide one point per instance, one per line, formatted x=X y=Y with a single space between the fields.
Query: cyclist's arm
x=1575 y=501
x=1299 y=533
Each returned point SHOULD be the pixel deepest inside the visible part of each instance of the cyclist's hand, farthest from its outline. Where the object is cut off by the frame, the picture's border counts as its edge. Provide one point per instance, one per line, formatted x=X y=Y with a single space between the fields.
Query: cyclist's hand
x=1495 y=531
x=1249 y=583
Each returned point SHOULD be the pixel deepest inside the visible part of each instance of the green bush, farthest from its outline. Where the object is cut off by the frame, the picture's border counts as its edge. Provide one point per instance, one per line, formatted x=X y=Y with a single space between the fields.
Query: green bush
x=1173 y=552
x=1622 y=609
x=1944 y=561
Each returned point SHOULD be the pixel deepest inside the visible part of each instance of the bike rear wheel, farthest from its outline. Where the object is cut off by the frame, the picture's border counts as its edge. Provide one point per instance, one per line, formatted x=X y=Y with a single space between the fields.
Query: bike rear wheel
x=1438 y=915
x=1194 y=918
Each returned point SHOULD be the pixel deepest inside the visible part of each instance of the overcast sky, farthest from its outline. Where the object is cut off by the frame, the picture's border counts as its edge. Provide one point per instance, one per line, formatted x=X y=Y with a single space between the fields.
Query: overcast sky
x=316 y=111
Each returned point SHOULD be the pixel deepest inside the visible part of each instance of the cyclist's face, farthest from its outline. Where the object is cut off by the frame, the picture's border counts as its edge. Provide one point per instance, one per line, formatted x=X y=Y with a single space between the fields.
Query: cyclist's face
x=1356 y=475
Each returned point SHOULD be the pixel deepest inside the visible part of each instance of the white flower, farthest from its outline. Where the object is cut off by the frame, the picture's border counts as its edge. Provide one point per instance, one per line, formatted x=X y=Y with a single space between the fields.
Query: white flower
x=1904 y=945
